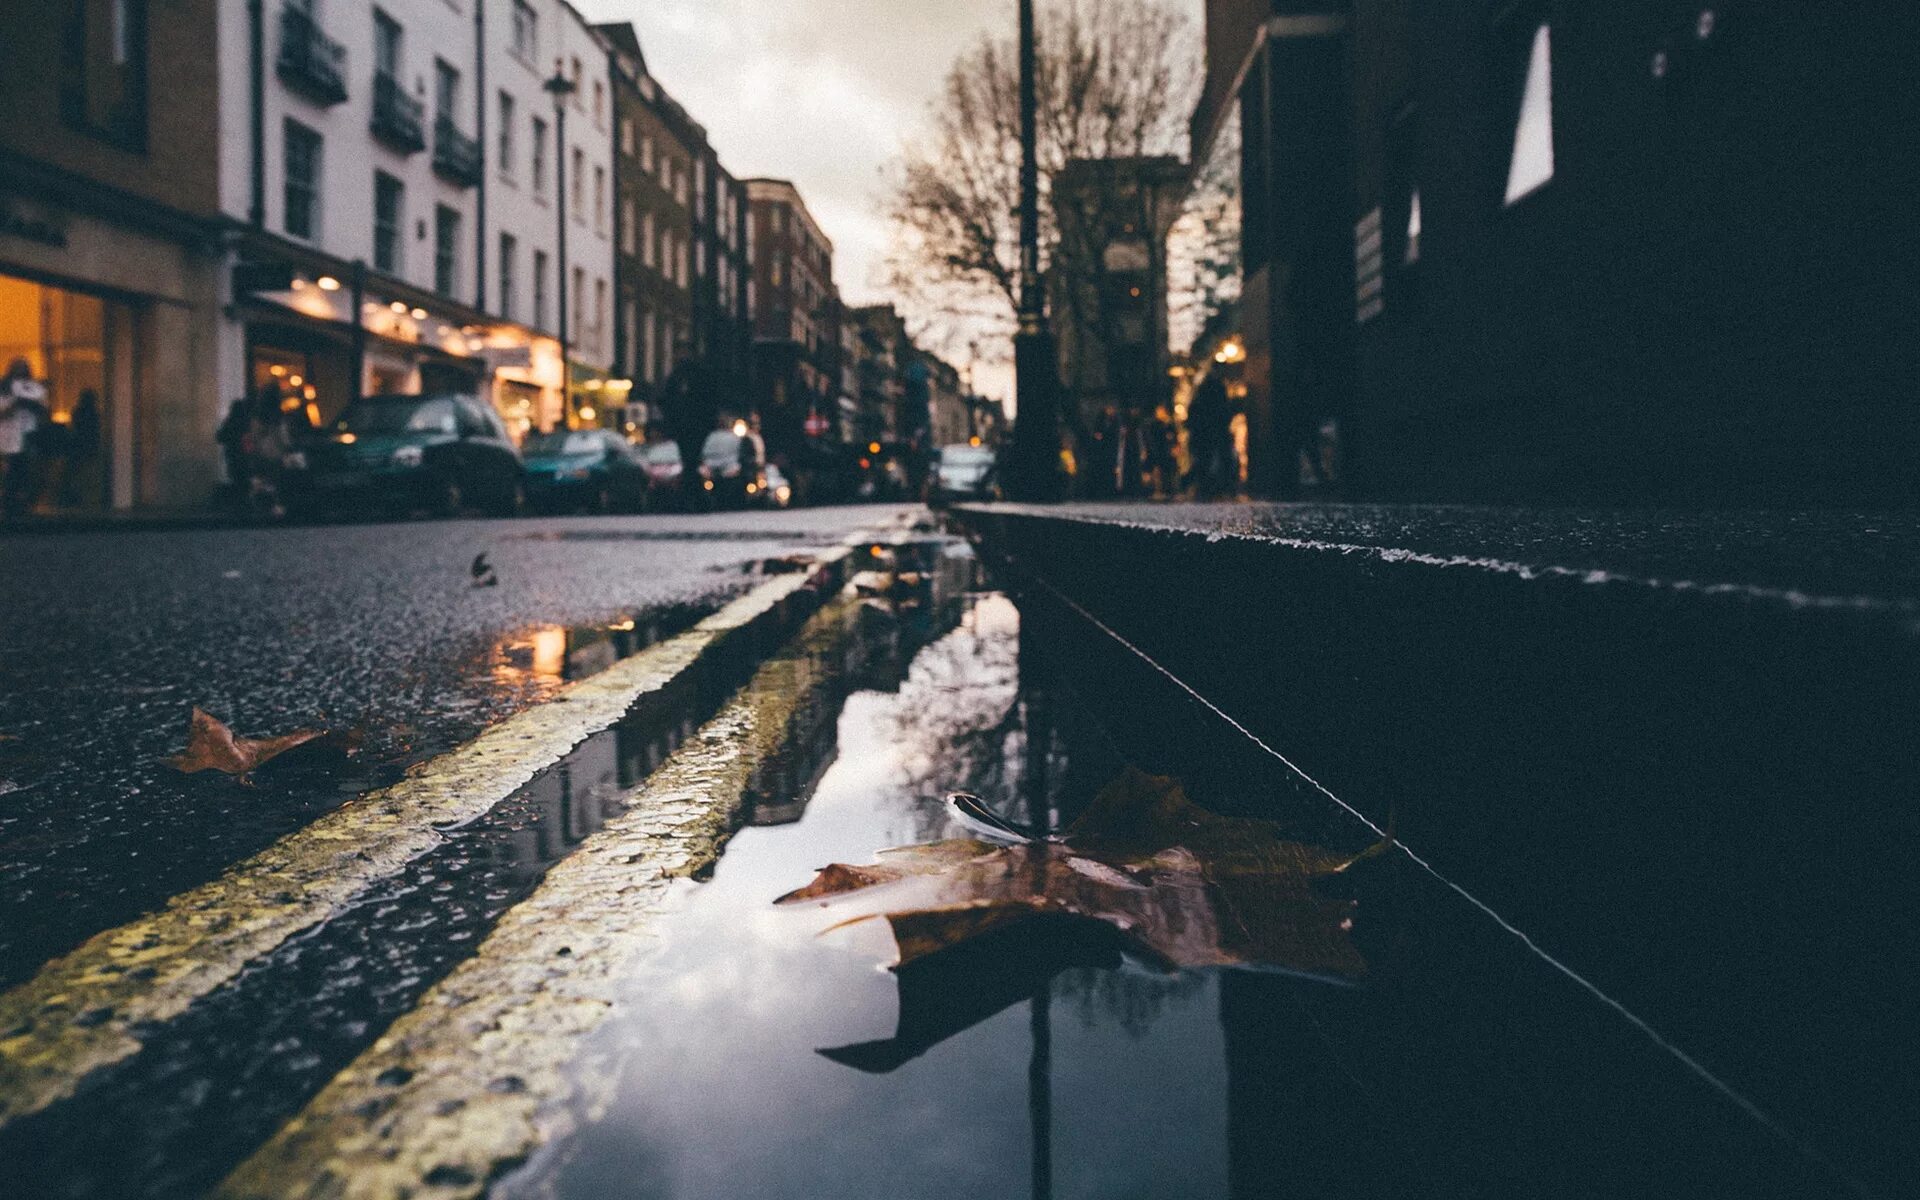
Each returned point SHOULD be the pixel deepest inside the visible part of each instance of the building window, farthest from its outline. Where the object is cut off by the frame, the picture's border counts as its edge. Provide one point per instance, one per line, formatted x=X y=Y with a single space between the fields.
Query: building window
x=506 y=134
x=539 y=157
x=599 y=103
x=579 y=184
x=526 y=32
x=1530 y=165
x=600 y=200
x=628 y=225
x=626 y=136
x=446 y=248
x=509 y=251
x=389 y=215
x=646 y=240
x=579 y=301
x=540 y=289
x=104 y=83
x=630 y=329
x=600 y=314
x=446 y=90
x=648 y=362
x=302 y=168
x=646 y=153
x=386 y=45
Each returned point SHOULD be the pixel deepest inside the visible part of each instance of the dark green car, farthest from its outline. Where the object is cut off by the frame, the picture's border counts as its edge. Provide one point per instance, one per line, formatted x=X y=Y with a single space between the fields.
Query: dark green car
x=592 y=469
x=400 y=454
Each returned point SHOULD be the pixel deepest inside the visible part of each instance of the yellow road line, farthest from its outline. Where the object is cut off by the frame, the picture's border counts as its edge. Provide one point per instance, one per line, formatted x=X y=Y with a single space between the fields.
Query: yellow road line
x=475 y=1077
x=78 y=1013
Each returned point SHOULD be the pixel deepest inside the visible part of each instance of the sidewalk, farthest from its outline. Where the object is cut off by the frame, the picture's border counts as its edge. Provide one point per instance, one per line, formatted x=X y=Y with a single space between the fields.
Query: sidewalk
x=1676 y=751
x=127 y=519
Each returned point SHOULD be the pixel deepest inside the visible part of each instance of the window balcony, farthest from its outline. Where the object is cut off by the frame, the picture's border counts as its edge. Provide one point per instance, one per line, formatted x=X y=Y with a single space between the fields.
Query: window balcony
x=456 y=157
x=310 y=62
x=397 y=117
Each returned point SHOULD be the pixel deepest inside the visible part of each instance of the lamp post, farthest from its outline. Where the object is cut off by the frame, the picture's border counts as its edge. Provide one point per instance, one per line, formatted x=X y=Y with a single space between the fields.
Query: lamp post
x=561 y=88
x=1036 y=429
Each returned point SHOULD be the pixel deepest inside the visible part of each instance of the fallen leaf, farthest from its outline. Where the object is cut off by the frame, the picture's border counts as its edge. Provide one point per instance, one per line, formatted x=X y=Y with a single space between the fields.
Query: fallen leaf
x=1177 y=885
x=211 y=746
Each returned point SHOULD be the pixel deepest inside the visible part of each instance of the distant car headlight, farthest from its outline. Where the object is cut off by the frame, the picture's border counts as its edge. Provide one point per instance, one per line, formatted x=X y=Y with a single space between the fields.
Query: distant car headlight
x=293 y=460
x=783 y=493
x=573 y=473
x=408 y=456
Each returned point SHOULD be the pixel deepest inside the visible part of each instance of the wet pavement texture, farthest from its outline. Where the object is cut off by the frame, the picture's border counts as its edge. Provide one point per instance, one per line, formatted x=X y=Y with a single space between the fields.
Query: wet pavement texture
x=756 y=1053
x=108 y=641
x=1798 y=556
x=762 y=1053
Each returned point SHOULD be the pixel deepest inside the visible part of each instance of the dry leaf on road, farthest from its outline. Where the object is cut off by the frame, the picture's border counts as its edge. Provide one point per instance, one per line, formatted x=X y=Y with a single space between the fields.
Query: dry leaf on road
x=211 y=746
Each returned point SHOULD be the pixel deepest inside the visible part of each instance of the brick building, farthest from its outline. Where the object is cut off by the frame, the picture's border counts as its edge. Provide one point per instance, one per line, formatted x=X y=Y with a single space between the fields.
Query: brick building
x=110 y=256
x=796 y=373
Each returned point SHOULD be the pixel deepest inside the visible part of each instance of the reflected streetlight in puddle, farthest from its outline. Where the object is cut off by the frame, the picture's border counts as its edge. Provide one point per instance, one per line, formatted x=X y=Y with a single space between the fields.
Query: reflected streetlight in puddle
x=550 y=652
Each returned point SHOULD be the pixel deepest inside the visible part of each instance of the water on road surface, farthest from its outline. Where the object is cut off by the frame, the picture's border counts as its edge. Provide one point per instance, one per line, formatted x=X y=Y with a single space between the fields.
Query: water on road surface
x=758 y=1050
x=759 y=1053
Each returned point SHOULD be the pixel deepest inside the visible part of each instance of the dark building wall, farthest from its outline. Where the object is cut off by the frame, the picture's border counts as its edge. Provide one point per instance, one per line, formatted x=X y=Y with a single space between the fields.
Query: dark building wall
x=165 y=147
x=1706 y=302
x=1297 y=249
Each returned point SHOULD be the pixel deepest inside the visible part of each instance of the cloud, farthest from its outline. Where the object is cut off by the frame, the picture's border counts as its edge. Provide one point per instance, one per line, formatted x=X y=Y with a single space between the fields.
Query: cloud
x=822 y=92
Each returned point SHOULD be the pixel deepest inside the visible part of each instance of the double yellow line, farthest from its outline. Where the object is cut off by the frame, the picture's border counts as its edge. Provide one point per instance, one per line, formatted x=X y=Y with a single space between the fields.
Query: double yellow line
x=477 y=1076
x=78 y=1014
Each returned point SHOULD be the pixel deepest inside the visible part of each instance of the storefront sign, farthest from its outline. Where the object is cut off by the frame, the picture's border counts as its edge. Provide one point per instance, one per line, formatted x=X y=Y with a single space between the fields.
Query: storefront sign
x=48 y=231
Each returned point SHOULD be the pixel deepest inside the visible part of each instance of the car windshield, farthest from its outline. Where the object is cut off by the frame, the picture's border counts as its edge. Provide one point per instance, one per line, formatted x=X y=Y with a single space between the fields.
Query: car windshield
x=379 y=417
x=560 y=442
x=966 y=456
x=663 y=454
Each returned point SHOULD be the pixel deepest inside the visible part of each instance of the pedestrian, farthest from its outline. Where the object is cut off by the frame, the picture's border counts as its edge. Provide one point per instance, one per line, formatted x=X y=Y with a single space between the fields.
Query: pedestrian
x=233 y=438
x=1162 y=444
x=23 y=411
x=267 y=442
x=81 y=479
x=1210 y=438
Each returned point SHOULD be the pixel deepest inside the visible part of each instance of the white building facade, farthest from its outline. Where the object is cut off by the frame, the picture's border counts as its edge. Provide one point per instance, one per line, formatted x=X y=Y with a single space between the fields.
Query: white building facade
x=393 y=172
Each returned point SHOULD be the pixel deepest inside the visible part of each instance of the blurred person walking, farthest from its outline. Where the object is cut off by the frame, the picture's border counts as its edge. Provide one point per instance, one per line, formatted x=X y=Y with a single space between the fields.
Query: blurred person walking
x=23 y=413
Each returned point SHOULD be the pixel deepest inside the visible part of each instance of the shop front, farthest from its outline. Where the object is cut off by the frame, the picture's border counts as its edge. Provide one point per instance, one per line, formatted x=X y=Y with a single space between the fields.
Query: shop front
x=318 y=342
x=113 y=319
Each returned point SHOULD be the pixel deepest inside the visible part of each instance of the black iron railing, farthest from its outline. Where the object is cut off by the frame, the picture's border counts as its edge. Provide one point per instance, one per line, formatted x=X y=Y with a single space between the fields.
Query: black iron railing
x=397 y=116
x=455 y=155
x=310 y=62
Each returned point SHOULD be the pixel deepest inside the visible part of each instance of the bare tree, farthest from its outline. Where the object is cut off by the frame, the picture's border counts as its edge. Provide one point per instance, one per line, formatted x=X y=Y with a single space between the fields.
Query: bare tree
x=1116 y=79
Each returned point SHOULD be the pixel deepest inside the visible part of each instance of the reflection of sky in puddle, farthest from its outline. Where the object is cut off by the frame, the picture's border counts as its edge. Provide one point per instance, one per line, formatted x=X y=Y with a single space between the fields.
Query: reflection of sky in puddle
x=720 y=1090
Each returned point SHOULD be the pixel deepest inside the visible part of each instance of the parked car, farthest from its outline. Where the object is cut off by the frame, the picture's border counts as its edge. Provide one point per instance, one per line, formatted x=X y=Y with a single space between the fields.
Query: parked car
x=443 y=454
x=775 y=491
x=594 y=469
x=732 y=465
x=964 y=472
x=666 y=474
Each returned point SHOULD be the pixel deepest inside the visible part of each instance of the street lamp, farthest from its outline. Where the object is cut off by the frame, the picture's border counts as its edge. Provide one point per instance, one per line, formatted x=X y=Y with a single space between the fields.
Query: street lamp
x=561 y=88
x=1036 y=427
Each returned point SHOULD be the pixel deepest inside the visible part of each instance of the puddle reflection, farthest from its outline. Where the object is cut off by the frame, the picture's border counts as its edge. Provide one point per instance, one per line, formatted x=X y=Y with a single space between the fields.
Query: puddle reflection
x=762 y=1054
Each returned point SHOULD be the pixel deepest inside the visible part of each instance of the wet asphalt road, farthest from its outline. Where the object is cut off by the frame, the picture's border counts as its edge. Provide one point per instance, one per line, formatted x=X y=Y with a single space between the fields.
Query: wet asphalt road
x=109 y=640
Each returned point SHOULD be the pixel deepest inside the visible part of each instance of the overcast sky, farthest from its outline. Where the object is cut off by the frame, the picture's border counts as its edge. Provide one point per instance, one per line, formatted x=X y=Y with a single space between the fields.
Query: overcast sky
x=822 y=92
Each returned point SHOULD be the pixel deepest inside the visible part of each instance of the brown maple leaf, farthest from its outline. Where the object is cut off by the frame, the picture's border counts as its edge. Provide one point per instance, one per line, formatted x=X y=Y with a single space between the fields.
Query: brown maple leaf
x=211 y=746
x=1174 y=883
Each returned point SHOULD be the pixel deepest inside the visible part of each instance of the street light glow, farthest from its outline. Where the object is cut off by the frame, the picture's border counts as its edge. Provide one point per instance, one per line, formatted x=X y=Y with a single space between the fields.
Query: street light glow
x=328 y=283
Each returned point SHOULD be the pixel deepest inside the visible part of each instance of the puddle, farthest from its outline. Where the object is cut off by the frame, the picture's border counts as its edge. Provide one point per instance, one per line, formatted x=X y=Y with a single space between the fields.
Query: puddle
x=758 y=1056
